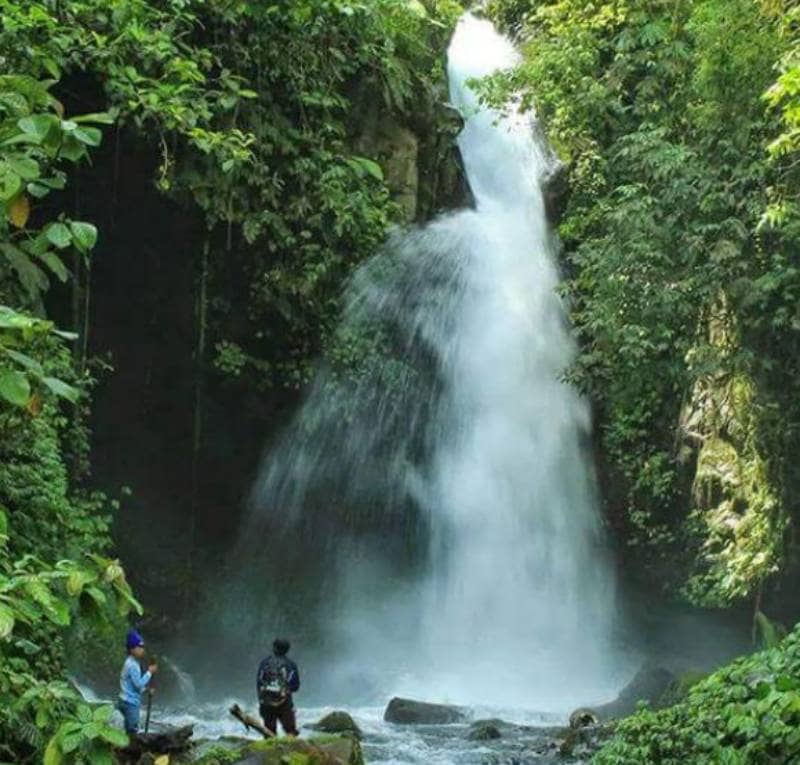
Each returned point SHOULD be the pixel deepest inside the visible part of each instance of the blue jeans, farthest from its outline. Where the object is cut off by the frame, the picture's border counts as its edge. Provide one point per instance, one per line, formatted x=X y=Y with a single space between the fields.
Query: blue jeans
x=130 y=714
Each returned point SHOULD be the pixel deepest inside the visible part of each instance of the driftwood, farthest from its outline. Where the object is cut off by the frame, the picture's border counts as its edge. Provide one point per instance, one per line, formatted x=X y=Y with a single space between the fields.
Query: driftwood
x=250 y=722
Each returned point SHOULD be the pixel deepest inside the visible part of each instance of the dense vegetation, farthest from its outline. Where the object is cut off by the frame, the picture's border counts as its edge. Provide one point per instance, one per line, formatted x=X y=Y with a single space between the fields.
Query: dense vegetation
x=677 y=122
x=745 y=714
x=678 y=126
x=261 y=125
x=242 y=109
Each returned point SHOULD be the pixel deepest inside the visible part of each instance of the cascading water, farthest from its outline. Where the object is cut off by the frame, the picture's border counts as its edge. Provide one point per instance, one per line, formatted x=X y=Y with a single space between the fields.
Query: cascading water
x=437 y=502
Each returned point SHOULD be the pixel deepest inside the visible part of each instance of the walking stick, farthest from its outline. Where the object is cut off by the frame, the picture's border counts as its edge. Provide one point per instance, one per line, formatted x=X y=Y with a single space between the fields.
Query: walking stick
x=149 y=707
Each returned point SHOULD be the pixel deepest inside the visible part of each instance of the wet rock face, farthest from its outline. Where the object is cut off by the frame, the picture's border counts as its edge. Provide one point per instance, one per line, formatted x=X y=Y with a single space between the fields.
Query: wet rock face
x=555 y=189
x=649 y=684
x=338 y=722
x=408 y=712
x=418 y=152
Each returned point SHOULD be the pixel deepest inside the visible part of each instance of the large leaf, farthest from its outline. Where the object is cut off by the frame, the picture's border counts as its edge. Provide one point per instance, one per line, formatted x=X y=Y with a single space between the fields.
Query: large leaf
x=62 y=389
x=59 y=614
x=53 y=754
x=31 y=277
x=56 y=265
x=25 y=361
x=15 y=388
x=6 y=621
x=71 y=741
x=10 y=183
x=84 y=235
x=11 y=319
x=25 y=167
x=99 y=118
x=59 y=235
x=97 y=595
x=114 y=736
x=363 y=165
x=38 y=125
x=19 y=211
x=103 y=713
x=88 y=135
x=78 y=579
x=40 y=592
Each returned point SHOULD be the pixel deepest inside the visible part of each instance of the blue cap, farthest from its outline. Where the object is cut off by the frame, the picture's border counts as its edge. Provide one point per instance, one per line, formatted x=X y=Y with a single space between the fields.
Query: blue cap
x=134 y=640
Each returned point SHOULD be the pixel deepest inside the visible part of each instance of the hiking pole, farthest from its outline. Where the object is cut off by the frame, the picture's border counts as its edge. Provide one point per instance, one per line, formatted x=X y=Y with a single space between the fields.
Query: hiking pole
x=149 y=707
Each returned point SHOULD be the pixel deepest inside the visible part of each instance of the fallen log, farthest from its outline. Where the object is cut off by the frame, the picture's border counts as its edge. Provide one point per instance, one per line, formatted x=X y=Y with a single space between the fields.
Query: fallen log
x=250 y=722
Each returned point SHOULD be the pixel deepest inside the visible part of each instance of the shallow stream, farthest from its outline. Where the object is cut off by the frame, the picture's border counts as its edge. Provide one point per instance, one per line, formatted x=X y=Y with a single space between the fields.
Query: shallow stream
x=527 y=736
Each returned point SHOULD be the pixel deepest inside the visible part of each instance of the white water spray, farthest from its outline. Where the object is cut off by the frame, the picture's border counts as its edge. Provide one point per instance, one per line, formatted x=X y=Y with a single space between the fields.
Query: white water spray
x=520 y=571
x=446 y=482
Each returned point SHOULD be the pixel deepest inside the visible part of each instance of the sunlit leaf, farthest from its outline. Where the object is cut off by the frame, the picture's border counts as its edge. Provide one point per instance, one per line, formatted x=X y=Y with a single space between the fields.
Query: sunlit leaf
x=84 y=235
x=59 y=235
x=19 y=210
x=6 y=621
x=15 y=388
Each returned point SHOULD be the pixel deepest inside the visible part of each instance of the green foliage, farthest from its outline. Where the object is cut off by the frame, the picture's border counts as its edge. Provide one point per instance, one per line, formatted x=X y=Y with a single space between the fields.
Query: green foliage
x=784 y=97
x=248 y=109
x=679 y=283
x=54 y=576
x=22 y=377
x=85 y=739
x=745 y=714
x=35 y=142
x=251 y=108
x=54 y=572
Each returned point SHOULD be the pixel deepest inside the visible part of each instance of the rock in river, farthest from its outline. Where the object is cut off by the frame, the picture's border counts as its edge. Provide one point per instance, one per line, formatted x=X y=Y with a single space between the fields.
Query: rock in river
x=484 y=730
x=408 y=712
x=338 y=722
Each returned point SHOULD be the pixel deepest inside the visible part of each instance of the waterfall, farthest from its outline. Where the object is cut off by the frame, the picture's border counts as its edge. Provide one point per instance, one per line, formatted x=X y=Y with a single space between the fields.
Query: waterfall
x=433 y=502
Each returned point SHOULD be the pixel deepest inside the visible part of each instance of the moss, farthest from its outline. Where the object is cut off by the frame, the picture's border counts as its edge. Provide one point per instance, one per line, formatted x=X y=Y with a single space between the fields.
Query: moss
x=220 y=755
x=738 y=522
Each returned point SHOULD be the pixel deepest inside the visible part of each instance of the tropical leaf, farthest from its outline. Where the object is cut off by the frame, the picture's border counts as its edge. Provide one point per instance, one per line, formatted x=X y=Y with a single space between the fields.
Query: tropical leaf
x=6 y=621
x=15 y=388
x=19 y=211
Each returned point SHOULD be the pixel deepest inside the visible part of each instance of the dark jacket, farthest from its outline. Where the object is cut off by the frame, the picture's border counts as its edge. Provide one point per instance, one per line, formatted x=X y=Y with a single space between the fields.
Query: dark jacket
x=286 y=666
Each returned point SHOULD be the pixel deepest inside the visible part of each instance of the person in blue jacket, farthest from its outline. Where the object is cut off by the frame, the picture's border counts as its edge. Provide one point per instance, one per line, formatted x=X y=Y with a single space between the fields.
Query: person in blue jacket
x=133 y=682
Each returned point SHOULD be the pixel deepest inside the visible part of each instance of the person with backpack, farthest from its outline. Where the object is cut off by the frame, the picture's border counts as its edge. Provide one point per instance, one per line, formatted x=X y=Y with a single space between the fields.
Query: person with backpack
x=278 y=678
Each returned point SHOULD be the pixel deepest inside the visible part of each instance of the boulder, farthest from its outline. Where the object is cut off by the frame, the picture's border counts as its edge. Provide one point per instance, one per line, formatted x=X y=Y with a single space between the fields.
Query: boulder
x=167 y=741
x=650 y=684
x=582 y=718
x=324 y=750
x=581 y=742
x=338 y=722
x=484 y=730
x=408 y=712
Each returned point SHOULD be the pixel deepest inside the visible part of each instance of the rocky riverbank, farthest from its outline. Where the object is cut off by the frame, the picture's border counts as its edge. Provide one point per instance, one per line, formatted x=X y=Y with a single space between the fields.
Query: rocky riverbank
x=418 y=732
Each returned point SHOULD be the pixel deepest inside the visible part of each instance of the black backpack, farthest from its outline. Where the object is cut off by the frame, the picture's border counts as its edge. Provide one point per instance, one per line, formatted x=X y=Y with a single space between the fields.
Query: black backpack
x=273 y=681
